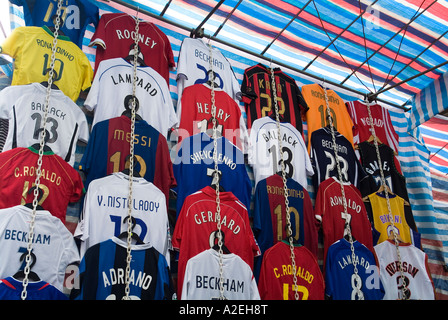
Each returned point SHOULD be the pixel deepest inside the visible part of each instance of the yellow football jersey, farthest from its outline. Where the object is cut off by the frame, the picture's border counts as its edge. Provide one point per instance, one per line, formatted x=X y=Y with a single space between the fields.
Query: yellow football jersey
x=381 y=220
x=316 y=116
x=31 y=49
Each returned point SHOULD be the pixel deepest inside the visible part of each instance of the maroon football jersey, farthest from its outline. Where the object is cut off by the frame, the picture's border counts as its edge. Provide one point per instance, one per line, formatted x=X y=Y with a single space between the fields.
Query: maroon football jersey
x=114 y=38
x=276 y=277
x=330 y=208
x=60 y=183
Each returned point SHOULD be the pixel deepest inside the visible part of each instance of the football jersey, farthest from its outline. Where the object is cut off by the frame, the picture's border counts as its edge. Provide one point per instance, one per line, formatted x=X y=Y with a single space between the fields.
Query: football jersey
x=381 y=220
x=276 y=277
x=108 y=150
x=340 y=283
x=382 y=123
x=417 y=277
x=76 y=15
x=323 y=158
x=196 y=102
x=114 y=38
x=258 y=96
x=60 y=183
x=264 y=153
x=202 y=281
x=102 y=273
x=316 y=115
x=269 y=215
x=53 y=245
x=106 y=208
x=31 y=49
x=24 y=107
x=193 y=66
x=329 y=208
x=197 y=224
x=112 y=86
x=11 y=289
x=193 y=163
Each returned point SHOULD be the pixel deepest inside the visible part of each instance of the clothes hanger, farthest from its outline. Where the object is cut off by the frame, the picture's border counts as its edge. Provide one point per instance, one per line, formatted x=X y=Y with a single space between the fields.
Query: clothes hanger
x=127 y=106
x=225 y=250
x=20 y=274
x=36 y=146
x=126 y=171
x=134 y=236
x=216 y=178
x=52 y=28
x=140 y=58
x=381 y=189
x=39 y=197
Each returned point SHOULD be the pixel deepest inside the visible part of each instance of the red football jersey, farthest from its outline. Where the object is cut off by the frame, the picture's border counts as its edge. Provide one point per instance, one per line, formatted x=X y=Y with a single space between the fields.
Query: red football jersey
x=196 y=226
x=114 y=38
x=276 y=276
x=197 y=114
x=382 y=123
x=330 y=209
x=60 y=183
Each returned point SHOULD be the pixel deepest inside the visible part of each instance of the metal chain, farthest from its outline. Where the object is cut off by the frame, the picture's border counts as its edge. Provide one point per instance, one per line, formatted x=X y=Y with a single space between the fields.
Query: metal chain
x=285 y=188
x=41 y=152
x=216 y=175
x=131 y=164
x=357 y=294
x=386 y=194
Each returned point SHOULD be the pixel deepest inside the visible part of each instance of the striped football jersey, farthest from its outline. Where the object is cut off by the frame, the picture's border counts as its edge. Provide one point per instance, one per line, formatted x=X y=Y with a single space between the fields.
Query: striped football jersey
x=258 y=96
x=102 y=273
x=11 y=289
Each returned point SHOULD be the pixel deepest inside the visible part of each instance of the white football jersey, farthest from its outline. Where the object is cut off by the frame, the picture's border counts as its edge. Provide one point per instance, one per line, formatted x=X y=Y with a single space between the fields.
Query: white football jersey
x=193 y=67
x=264 y=153
x=202 y=281
x=53 y=245
x=415 y=270
x=106 y=208
x=112 y=85
x=23 y=106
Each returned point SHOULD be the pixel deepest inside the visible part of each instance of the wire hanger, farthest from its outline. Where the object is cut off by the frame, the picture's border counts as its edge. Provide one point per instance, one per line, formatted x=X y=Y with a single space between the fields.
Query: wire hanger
x=134 y=236
x=20 y=274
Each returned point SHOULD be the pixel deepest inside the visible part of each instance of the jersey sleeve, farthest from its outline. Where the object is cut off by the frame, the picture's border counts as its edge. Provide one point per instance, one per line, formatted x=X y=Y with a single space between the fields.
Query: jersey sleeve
x=247 y=92
x=13 y=43
x=99 y=37
x=92 y=98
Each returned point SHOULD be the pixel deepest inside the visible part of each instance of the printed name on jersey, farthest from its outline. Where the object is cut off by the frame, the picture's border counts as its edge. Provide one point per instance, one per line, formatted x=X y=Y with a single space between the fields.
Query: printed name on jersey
x=207 y=217
x=22 y=236
x=143 y=39
x=212 y=282
x=116 y=276
x=122 y=202
x=129 y=79
x=287 y=270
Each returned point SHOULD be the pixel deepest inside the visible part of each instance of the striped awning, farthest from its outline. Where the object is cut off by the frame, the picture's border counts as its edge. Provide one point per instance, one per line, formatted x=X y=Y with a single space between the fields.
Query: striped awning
x=373 y=47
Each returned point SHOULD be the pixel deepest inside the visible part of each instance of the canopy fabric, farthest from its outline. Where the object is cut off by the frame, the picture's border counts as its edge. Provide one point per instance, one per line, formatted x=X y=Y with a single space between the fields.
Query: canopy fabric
x=355 y=47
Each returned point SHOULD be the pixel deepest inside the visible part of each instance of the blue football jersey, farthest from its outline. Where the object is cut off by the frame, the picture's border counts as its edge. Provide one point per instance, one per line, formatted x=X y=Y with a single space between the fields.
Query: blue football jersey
x=102 y=273
x=339 y=273
x=77 y=15
x=11 y=289
x=323 y=158
x=194 y=163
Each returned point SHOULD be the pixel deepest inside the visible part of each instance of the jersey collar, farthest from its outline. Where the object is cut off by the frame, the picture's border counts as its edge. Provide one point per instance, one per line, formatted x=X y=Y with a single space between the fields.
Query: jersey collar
x=60 y=37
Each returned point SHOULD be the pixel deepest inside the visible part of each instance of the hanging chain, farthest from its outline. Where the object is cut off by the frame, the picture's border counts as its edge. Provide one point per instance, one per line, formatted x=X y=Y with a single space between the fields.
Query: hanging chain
x=131 y=164
x=386 y=194
x=285 y=188
x=41 y=153
x=216 y=175
x=356 y=281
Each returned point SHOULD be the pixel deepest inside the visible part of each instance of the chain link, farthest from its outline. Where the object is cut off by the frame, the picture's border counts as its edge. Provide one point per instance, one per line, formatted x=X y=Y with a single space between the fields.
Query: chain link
x=285 y=187
x=41 y=152
x=357 y=293
x=131 y=164
x=386 y=194
x=216 y=175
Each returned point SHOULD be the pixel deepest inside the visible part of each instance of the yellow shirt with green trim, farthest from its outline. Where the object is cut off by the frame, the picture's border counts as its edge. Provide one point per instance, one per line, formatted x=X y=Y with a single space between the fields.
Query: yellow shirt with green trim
x=31 y=49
